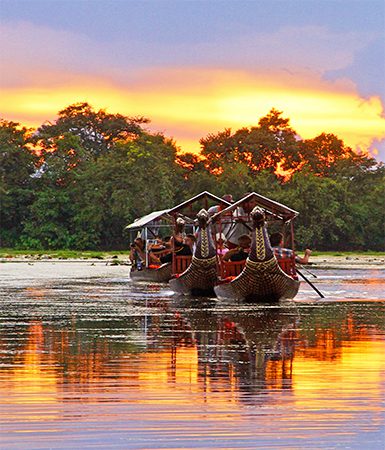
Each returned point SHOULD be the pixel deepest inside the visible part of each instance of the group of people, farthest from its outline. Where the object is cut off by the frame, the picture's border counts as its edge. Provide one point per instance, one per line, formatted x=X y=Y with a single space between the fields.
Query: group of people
x=241 y=252
x=161 y=251
x=232 y=238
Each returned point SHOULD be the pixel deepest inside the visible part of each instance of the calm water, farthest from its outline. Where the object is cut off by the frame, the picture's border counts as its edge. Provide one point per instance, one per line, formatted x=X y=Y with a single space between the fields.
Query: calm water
x=102 y=363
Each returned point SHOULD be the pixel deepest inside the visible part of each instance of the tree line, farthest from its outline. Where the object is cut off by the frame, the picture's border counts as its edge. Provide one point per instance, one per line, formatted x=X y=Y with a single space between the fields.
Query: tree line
x=77 y=182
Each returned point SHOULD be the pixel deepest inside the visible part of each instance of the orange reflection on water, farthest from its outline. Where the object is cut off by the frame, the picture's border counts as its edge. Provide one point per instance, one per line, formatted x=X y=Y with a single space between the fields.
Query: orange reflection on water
x=176 y=368
x=214 y=369
x=33 y=379
x=345 y=384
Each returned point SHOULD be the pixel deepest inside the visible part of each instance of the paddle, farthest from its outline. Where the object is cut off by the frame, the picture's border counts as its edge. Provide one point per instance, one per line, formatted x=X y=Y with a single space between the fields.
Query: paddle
x=307 y=270
x=310 y=283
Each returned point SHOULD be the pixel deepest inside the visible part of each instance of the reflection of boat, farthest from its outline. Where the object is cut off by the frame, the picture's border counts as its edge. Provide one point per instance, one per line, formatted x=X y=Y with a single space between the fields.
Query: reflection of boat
x=161 y=222
x=201 y=275
x=262 y=279
x=254 y=349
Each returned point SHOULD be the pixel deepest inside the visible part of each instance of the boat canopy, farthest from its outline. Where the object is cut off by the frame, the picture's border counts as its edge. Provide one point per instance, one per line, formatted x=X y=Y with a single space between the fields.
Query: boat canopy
x=149 y=219
x=187 y=210
x=273 y=209
x=190 y=207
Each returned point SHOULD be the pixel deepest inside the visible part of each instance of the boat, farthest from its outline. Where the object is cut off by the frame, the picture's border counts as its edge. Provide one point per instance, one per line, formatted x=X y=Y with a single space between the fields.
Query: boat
x=156 y=274
x=261 y=279
x=201 y=275
x=148 y=227
x=165 y=222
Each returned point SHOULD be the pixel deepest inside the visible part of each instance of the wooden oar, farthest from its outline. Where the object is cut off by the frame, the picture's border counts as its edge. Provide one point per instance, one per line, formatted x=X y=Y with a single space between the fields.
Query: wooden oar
x=310 y=283
x=307 y=270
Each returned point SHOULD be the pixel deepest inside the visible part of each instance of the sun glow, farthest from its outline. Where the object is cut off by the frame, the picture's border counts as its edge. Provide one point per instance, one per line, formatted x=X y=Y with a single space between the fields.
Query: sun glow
x=187 y=104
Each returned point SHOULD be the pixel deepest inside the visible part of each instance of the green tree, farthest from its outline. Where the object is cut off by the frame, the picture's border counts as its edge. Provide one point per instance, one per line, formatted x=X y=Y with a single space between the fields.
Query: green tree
x=98 y=131
x=17 y=167
x=235 y=179
x=135 y=178
x=367 y=189
x=326 y=219
x=327 y=155
x=272 y=143
x=48 y=225
x=61 y=165
x=194 y=176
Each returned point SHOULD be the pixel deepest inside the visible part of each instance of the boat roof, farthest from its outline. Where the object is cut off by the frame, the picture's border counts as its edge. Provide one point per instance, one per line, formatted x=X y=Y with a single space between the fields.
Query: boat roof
x=276 y=210
x=166 y=214
x=147 y=219
x=205 y=196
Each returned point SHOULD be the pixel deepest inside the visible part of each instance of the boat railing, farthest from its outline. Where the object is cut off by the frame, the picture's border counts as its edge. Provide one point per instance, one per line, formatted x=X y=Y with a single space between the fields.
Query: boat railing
x=231 y=268
x=181 y=263
x=234 y=268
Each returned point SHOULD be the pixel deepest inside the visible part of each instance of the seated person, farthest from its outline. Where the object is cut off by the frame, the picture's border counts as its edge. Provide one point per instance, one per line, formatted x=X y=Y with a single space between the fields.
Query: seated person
x=241 y=252
x=181 y=248
x=161 y=245
x=188 y=244
x=137 y=254
x=155 y=244
x=159 y=250
x=276 y=241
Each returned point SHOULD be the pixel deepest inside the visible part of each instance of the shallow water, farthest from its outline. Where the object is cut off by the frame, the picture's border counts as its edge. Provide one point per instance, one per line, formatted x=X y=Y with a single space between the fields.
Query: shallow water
x=102 y=363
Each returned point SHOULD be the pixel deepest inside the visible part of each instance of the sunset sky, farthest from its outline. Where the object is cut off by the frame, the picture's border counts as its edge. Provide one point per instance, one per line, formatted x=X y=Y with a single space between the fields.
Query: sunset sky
x=197 y=67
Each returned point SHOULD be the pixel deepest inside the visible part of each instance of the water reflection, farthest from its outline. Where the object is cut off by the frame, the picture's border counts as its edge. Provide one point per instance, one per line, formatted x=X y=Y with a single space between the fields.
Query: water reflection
x=103 y=357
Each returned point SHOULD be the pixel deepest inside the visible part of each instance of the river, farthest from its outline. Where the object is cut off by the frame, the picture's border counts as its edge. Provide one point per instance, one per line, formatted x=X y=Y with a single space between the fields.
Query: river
x=90 y=360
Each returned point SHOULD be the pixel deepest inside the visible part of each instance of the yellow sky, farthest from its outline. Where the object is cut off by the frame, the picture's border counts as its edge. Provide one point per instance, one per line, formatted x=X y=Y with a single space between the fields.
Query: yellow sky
x=187 y=104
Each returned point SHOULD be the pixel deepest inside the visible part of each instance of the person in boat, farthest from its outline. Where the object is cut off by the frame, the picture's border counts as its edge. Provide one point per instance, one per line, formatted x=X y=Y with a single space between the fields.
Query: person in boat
x=216 y=208
x=226 y=221
x=280 y=252
x=241 y=252
x=182 y=247
x=189 y=241
x=240 y=224
x=221 y=244
x=156 y=251
x=137 y=253
x=156 y=244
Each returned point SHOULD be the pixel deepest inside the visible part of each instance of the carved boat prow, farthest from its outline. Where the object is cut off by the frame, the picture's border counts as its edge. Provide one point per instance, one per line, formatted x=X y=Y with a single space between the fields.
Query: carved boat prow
x=262 y=279
x=201 y=275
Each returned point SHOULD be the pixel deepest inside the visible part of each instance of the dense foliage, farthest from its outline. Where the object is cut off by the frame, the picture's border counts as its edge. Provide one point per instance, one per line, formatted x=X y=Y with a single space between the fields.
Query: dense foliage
x=77 y=182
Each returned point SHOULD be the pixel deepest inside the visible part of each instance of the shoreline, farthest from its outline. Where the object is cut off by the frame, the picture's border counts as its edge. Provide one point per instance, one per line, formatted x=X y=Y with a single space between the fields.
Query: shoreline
x=316 y=262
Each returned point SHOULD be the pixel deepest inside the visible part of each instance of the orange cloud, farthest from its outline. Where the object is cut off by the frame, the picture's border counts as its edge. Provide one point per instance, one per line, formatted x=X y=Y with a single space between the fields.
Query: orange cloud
x=189 y=103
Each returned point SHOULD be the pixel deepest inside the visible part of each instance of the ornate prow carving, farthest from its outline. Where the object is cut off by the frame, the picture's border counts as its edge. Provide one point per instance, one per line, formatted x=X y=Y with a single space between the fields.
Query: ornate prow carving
x=260 y=244
x=201 y=275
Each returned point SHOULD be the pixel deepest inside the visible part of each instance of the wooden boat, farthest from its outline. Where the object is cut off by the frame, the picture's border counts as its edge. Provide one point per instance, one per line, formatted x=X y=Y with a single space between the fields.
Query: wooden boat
x=261 y=279
x=157 y=274
x=201 y=275
x=152 y=224
x=162 y=273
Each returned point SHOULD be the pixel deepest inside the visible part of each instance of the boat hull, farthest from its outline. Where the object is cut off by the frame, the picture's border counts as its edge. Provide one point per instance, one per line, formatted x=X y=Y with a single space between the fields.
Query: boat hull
x=198 y=279
x=161 y=274
x=259 y=282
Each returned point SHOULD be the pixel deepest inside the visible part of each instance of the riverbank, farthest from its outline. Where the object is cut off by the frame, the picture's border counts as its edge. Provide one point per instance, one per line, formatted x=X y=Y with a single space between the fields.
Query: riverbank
x=322 y=261
x=351 y=261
